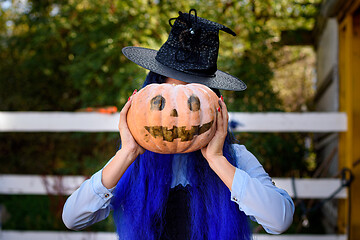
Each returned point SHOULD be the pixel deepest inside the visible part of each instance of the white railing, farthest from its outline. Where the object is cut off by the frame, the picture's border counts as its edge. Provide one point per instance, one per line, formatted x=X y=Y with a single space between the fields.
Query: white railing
x=98 y=122
x=64 y=185
x=61 y=235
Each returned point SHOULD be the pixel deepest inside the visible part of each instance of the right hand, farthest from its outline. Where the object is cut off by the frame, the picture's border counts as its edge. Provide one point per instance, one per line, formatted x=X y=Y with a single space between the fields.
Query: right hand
x=123 y=158
x=128 y=142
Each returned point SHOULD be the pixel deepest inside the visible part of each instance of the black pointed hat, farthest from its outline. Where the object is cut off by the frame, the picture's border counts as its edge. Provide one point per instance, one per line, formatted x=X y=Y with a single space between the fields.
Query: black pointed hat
x=190 y=53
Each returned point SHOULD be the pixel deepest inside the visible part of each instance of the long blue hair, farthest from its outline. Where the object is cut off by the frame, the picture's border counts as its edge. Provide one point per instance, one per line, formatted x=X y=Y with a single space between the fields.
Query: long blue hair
x=141 y=195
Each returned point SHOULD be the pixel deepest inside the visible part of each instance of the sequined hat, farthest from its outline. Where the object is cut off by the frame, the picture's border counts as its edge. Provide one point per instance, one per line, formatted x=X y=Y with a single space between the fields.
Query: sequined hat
x=190 y=53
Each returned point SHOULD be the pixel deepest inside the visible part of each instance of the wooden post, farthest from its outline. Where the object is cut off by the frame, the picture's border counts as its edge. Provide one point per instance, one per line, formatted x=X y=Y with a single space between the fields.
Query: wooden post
x=349 y=144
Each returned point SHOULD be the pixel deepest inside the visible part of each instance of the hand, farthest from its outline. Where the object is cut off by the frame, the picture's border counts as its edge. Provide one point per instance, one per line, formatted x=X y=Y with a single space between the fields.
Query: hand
x=213 y=152
x=127 y=140
x=129 y=151
x=215 y=147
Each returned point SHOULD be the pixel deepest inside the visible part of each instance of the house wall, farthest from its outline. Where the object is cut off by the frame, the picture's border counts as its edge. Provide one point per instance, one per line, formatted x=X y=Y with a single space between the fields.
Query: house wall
x=327 y=100
x=338 y=87
x=327 y=96
x=327 y=68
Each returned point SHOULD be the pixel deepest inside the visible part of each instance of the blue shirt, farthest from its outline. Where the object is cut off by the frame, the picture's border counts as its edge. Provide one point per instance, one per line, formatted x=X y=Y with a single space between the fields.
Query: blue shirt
x=252 y=189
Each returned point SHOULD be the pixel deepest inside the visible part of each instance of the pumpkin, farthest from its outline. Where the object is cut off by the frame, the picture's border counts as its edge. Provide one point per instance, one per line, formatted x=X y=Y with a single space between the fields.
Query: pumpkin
x=167 y=118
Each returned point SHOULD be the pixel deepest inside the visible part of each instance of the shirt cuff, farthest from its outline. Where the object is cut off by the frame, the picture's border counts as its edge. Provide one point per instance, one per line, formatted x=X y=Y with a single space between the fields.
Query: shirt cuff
x=238 y=185
x=99 y=188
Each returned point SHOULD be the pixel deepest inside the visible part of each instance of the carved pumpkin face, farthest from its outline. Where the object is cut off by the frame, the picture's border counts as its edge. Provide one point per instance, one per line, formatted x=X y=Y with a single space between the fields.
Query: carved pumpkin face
x=166 y=118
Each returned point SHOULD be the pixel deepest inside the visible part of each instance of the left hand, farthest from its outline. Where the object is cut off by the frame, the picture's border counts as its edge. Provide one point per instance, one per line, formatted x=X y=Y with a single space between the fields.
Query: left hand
x=215 y=147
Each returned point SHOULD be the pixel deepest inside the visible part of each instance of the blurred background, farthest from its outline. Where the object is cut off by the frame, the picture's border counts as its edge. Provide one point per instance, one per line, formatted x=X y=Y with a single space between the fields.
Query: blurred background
x=294 y=56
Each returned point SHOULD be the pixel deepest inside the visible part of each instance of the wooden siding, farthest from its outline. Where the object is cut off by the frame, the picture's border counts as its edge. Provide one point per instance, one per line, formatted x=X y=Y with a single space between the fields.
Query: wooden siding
x=349 y=150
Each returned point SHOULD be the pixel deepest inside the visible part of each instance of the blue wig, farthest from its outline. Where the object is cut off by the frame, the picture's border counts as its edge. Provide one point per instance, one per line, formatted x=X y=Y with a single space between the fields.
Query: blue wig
x=141 y=196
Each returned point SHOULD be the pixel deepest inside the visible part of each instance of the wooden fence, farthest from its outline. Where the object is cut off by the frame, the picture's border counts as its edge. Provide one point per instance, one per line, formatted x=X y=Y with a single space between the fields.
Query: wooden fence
x=96 y=122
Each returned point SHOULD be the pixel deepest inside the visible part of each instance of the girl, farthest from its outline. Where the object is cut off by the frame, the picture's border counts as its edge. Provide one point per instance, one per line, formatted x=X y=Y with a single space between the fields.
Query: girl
x=206 y=194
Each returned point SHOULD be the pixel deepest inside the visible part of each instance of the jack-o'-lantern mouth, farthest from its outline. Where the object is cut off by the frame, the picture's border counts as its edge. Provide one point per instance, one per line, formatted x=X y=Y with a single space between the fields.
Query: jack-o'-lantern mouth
x=178 y=132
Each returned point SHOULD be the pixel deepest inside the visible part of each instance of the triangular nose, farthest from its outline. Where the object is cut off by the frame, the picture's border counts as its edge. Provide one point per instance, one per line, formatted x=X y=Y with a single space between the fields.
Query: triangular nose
x=173 y=113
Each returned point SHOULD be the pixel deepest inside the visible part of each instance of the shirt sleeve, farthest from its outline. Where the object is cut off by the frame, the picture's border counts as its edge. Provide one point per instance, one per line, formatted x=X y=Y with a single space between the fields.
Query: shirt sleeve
x=89 y=204
x=257 y=196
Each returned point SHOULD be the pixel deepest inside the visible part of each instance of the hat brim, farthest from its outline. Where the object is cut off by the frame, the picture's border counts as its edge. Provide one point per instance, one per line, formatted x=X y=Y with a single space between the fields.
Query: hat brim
x=145 y=58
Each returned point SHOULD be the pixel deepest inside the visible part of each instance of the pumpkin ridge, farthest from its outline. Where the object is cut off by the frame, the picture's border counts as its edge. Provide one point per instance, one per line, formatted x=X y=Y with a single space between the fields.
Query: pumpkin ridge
x=175 y=97
x=154 y=88
x=183 y=131
x=164 y=91
x=191 y=144
x=200 y=120
x=194 y=93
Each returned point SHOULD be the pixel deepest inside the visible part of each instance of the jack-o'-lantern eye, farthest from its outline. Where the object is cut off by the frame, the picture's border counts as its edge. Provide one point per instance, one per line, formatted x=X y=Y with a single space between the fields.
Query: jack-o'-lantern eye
x=157 y=103
x=194 y=103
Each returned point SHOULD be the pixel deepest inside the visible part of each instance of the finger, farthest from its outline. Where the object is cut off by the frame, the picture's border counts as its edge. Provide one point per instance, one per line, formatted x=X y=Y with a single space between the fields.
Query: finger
x=219 y=124
x=123 y=114
x=124 y=111
x=225 y=115
x=219 y=120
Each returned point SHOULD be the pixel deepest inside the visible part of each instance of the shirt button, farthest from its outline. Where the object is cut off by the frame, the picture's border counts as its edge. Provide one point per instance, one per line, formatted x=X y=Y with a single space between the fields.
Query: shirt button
x=235 y=199
x=106 y=195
